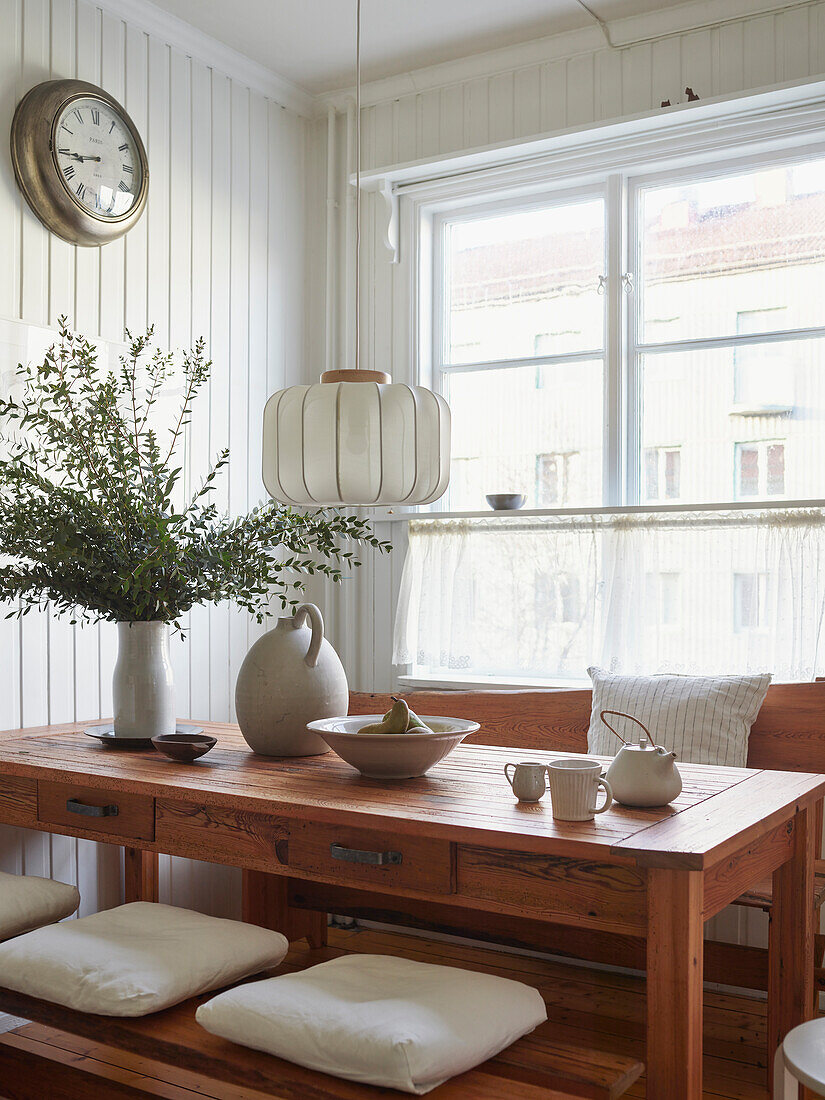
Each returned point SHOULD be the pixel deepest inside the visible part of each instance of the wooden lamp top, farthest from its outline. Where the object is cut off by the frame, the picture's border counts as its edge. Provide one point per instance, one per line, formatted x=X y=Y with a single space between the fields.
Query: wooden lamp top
x=356 y=376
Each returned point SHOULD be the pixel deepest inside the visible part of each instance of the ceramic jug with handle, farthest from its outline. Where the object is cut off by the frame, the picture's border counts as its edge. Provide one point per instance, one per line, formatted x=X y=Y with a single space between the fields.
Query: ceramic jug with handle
x=644 y=774
x=290 y=676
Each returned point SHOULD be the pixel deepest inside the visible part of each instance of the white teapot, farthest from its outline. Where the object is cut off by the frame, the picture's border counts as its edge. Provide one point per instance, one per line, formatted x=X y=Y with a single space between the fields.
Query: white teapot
x=643 y=774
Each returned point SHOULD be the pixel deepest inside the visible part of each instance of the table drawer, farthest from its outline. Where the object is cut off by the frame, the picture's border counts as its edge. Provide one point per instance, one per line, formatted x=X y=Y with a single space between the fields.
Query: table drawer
x=558 y=888
x=93 y=810
x=18 y=800
x=371 y=857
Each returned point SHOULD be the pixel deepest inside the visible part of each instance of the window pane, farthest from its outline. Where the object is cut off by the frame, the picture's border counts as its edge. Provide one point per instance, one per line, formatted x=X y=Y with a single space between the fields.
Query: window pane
x=747 y=461
x=743 y=253
x=524 y=285
x=511 y=434
x=775 y=469
x=728 y=451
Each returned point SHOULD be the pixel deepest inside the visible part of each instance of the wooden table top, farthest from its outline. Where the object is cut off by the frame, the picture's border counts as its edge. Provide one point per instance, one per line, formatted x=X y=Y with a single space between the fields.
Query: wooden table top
x=465 y=798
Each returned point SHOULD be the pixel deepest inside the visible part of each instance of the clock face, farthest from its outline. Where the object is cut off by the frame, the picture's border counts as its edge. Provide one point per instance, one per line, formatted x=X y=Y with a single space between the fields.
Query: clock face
x=97 y=158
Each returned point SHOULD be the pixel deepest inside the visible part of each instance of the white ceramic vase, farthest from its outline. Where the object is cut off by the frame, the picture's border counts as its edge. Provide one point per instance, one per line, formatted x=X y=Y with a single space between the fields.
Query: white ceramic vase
x=143 y=689
x=290 y=676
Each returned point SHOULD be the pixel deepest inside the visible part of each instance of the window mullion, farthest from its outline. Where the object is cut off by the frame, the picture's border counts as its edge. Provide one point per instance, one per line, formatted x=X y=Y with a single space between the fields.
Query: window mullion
x=613 y=489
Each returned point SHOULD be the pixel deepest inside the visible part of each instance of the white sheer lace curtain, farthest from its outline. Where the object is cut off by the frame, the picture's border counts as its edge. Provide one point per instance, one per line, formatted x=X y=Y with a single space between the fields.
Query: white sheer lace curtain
x=543 y=597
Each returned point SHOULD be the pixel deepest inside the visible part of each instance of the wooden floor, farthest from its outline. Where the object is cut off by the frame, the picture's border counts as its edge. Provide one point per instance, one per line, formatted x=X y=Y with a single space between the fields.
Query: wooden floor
x=590 y=1008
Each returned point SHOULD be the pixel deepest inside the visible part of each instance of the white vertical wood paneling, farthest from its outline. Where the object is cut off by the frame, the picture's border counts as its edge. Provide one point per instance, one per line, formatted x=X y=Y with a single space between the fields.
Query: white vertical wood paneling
x=738 y=55
x=218 y=253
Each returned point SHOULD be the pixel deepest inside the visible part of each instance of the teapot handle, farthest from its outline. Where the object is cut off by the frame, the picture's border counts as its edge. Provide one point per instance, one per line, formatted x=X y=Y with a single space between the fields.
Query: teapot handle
x=621 y=714
x=316 y=620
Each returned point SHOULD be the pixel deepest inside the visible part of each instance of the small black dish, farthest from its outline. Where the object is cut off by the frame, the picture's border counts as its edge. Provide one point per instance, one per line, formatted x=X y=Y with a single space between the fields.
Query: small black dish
x=184 y=747
x=105 y=734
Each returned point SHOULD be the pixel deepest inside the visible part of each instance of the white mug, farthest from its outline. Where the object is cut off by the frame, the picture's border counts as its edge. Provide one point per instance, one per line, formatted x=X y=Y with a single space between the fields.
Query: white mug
x=527 y=780
x=574 y=785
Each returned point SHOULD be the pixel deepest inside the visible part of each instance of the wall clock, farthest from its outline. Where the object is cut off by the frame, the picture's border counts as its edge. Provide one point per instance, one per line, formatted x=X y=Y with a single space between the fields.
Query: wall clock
x=79 y=161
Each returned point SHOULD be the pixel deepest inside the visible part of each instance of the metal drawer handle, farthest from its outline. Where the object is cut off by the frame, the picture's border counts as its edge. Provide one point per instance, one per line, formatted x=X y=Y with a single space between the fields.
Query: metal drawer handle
x=353 y=855
x=75 y=807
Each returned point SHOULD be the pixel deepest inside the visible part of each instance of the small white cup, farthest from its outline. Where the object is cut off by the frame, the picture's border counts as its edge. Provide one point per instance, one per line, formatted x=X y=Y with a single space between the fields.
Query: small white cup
x=574 y=786
x=527 y=780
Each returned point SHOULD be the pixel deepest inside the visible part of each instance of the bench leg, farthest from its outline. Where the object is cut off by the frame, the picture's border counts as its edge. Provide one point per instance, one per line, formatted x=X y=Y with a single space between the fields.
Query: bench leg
x=266 y=903
x=140 y=875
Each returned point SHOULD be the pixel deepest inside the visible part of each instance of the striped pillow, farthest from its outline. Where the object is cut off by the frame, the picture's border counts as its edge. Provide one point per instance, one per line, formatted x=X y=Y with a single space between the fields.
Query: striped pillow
x=703 y=719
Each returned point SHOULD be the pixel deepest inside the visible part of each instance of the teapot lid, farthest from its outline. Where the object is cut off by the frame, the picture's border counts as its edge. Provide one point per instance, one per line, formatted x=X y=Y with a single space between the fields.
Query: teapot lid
x=644 y=745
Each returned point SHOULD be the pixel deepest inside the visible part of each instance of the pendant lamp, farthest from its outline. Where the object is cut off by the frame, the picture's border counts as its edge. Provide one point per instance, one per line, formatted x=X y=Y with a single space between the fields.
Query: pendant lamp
x=355 y=437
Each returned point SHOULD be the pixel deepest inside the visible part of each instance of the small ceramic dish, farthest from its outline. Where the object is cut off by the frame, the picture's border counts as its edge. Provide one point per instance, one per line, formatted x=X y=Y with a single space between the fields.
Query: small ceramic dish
x=392 y=755
x=184 y=747
x=106 y=735
x=506 y=502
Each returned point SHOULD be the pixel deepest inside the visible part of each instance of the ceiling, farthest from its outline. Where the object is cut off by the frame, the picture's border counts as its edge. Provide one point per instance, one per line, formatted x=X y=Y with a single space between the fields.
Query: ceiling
x=312 y=42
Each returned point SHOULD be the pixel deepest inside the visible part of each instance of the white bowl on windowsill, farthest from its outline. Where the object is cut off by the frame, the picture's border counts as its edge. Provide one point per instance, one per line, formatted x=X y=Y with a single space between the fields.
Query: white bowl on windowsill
x=392 y=755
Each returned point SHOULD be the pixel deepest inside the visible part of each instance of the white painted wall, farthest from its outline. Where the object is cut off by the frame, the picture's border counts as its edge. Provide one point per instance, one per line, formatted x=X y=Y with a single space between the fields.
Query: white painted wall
x=220 y=252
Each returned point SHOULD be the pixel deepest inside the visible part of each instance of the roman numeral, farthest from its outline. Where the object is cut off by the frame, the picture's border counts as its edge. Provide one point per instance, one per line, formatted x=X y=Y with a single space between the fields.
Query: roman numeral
x=127 y=168
x=98 y=203
x=123 y=186
x=95 y=115
x=112 y=126
x=66 y=128
x=81 y=191
x=68 y=171
x=78 y=115
x=122 y=148
x=63 y=150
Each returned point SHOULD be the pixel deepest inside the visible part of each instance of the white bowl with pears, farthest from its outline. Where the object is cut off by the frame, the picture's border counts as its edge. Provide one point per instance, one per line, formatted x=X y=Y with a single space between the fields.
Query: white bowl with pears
x=397 y=745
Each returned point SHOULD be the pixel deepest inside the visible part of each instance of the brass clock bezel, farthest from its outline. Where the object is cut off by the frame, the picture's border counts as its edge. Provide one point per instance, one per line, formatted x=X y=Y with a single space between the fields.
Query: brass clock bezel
x=33 y=154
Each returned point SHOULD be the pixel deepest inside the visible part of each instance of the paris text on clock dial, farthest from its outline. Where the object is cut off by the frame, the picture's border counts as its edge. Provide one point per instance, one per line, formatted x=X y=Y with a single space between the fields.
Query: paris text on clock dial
x=97 y=158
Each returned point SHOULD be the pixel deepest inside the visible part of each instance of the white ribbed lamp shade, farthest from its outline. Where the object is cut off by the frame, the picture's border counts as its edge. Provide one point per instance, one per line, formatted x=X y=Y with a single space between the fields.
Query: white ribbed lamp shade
x=356 y=442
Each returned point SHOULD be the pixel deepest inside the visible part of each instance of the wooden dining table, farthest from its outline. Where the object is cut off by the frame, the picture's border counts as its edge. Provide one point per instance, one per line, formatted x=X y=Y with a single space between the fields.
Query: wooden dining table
x=456 y=838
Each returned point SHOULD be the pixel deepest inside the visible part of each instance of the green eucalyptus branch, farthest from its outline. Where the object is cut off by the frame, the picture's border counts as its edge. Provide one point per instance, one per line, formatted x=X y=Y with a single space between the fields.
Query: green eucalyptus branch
x=88 y=523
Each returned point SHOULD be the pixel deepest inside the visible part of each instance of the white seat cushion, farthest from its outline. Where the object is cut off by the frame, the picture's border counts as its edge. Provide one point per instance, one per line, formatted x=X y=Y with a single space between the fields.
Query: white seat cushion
x=136 y=959
x=378 y=1019
x=703 y=719
x=27 y=902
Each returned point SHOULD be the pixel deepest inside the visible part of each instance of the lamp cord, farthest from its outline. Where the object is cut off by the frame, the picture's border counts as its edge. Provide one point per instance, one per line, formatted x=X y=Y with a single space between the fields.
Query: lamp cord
x=358 y=185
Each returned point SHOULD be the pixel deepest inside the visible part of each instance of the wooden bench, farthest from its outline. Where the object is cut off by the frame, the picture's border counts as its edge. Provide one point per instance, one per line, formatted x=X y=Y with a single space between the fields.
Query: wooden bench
x=788 y=735
x=66 y=1055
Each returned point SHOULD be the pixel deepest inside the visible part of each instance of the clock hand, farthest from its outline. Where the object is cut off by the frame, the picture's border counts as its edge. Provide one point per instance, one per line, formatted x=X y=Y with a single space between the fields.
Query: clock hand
x=77 y=156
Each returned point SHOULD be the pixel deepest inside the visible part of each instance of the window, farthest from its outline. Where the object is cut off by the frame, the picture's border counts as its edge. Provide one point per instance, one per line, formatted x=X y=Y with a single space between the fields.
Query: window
x=663 y=595
x=527 y=405
x=663 y=473
x=556 y=479
x=645 y=334
x=750 y=601
x=760 y=469
x=717 y=321
x=762 y=382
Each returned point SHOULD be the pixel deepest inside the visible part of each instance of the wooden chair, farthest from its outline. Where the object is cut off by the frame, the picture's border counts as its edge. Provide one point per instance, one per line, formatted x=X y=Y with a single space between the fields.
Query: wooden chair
x=788 y=735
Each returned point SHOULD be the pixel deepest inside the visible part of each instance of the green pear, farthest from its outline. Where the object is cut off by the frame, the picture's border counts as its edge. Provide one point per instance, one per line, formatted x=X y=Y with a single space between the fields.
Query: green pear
x=413 y=723
x=398 y=718
x=395 y=720
x=373 y=727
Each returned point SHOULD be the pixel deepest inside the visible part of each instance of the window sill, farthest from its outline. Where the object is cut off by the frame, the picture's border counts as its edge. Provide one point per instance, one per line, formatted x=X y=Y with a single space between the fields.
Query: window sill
x=761 y=410
x=490 y=683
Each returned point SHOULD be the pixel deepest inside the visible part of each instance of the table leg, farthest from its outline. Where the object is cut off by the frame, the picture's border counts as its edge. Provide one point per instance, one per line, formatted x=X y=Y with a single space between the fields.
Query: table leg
x=791 y=938
x=140 y=875
x=674 y=984
x=266 y=903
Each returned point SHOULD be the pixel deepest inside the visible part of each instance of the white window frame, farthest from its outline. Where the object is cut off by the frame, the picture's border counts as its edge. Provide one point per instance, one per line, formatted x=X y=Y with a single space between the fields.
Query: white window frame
x=787 y=120
x=778 y=135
